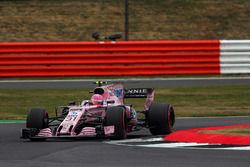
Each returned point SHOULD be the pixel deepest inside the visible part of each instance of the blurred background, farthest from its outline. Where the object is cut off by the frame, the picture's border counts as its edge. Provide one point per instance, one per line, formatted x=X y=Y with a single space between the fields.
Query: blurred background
x=76 y=20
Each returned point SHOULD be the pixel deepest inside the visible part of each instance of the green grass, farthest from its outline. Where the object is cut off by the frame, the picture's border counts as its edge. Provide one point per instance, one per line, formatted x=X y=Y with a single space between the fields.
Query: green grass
x=75 y=20
x=234 y=131
x=195 y=102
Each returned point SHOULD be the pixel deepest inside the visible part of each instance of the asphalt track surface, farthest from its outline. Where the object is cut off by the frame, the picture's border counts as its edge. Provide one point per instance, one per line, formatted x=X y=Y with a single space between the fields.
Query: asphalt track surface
x=15 y=152
x=129 y=83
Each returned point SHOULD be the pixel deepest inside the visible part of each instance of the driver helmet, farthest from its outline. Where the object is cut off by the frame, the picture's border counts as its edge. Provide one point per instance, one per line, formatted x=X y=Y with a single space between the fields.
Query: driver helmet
x=97 y=99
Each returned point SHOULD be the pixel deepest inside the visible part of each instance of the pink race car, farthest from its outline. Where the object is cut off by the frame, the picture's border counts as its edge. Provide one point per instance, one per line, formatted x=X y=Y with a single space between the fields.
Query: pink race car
x=104 y=115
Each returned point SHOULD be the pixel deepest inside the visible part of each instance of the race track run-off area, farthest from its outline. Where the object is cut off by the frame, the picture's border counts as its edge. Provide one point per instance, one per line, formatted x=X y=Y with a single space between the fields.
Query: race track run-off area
x=195 y=135
x=194 y=139
x=139 y=149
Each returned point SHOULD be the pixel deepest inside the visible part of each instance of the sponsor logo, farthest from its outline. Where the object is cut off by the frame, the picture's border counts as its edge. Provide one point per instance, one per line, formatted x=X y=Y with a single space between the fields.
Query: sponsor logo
x=136 y=91
x=118 y=92
x=71 y=116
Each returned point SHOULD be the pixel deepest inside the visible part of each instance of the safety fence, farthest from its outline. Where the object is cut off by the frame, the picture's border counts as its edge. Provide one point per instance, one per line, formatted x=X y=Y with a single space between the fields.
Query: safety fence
x=23 y=59
x=235 y=56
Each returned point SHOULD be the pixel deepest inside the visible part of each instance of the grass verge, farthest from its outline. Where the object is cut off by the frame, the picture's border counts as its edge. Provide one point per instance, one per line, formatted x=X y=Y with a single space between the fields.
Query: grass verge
x=234 y=131
x=188 y=102
x=76 y=20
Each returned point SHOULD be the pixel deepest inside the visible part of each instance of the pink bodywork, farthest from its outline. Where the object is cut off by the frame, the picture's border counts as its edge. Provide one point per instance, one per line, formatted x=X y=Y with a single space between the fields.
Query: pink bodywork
x=114 y=92
x=67 y=127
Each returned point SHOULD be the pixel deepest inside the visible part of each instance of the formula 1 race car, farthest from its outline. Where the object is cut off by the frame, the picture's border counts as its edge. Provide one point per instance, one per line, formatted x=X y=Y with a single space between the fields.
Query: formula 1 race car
x=104 y=115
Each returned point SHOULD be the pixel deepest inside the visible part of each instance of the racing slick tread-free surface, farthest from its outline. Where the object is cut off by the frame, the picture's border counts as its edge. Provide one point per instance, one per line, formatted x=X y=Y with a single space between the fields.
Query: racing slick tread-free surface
x=37 y=118
x=116 y=116
x=160 y=119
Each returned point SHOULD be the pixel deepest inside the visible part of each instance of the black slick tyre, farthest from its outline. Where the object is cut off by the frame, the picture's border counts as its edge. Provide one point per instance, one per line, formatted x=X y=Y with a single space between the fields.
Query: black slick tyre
x=160 y=118
x=37 y=119
x=116 y=116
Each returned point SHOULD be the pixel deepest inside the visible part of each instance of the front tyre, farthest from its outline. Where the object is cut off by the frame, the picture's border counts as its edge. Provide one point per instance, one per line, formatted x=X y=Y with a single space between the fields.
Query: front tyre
x=37 y=119
x=116 y=116
x=161 y=119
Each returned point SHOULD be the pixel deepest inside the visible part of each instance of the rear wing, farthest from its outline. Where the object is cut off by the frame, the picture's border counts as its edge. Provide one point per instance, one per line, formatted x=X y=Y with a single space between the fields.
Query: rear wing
x=138 y=92
x=147 y=93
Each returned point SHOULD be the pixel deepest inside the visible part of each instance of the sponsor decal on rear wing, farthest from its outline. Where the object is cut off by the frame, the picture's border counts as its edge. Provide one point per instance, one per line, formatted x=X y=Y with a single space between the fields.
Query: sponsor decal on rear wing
x=138 y=92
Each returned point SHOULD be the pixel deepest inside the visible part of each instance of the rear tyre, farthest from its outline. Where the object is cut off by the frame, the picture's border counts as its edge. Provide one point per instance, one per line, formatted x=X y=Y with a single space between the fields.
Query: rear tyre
x=37 y=119
x=116 y=116
x=161 y=119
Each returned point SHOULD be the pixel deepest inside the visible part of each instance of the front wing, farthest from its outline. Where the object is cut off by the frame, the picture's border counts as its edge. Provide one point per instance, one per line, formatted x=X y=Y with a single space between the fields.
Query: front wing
x=105 y=131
